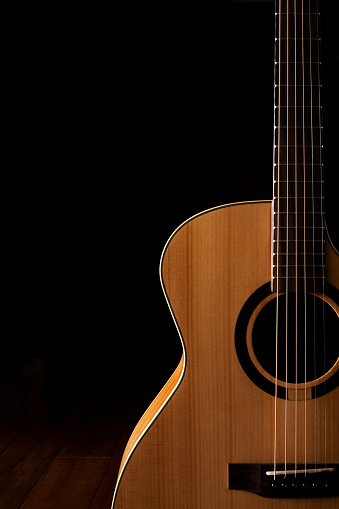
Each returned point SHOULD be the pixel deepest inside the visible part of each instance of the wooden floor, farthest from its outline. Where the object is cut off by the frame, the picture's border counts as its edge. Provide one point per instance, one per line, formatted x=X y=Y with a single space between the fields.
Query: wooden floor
x=60 y=445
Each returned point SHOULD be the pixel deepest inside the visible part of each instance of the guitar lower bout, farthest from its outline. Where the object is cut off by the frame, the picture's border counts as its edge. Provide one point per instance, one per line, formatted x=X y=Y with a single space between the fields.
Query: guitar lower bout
x=211 y=414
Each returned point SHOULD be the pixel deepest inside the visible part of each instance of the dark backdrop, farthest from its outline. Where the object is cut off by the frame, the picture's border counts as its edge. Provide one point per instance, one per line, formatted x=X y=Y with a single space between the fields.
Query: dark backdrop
x=117 y=125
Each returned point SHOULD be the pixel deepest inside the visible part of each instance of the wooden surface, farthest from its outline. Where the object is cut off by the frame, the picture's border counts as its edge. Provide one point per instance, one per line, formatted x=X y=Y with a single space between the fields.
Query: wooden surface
x=62 y=450
x=217 y=415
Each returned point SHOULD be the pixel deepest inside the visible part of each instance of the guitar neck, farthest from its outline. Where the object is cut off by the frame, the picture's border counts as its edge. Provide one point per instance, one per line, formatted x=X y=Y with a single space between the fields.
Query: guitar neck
x=298 y=236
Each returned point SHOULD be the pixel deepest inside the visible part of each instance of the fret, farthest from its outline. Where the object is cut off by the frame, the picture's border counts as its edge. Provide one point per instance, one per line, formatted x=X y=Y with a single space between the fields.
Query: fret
x=305 y=201
x=301 y=62
x=298 y=127
x=298 y=220
x=292 y=84
x=307 y=259
x=289 y=249
x=298 y=204
x=297 y=146
x=283 y=13
x=300 y=265
x=299 y=271
x=299 y=241
x=302 y=25
x=300 y=230
x=306 y=181
x=309 y=172
x=298 y=155
x=307 y=278
x=298 y=116
x=305 y=107
x=292 y=247
x=291 y=38
x=309 y=136
x=299 y=234
x=285 y=285
x=304 y=205
x=298 y=6
x=298 y=188
x=303 y=73
x=297 y=96
x=287 y=51
x=293 y=233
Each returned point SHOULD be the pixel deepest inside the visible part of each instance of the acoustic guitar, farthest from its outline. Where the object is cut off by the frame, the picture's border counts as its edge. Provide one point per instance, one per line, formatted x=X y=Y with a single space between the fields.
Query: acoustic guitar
x=250 y=417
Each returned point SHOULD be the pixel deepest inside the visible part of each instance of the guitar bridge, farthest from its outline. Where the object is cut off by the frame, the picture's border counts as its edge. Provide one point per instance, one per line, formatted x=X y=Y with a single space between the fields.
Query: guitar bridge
x=288 y=481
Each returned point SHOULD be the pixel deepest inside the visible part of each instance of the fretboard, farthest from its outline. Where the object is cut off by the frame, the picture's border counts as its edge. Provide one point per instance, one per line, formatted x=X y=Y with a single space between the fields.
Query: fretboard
x=298 y=225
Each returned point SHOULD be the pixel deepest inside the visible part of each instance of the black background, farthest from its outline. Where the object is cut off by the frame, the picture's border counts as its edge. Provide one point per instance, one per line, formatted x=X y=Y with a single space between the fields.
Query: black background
x=117 y=124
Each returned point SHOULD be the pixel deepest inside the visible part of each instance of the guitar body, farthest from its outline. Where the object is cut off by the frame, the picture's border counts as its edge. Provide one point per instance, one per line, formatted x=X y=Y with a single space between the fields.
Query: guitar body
x=211 y=414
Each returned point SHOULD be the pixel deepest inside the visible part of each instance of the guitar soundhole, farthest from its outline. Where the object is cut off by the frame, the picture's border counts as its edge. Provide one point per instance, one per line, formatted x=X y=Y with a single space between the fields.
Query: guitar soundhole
x=309 y=324
x=309 y=327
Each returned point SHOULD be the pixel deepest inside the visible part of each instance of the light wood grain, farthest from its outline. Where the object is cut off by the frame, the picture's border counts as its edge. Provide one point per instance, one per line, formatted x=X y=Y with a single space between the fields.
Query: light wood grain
x=217 y=416
x=67 y=483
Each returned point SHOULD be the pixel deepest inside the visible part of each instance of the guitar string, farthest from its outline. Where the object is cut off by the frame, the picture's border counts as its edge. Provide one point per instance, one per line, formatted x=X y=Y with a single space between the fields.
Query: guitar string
x=322 y=252
x=277 y=179
x=296 y=233
x=322 y=243
x=313 y=246
x=305 y=275
x=287 y=232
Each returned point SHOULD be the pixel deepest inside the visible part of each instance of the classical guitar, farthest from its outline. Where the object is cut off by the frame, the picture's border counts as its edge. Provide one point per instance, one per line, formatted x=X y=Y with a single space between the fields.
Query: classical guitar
x=250 y=417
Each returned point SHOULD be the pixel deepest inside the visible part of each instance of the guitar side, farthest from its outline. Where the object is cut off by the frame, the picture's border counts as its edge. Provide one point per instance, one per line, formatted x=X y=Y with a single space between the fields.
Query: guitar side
x=209 y=413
